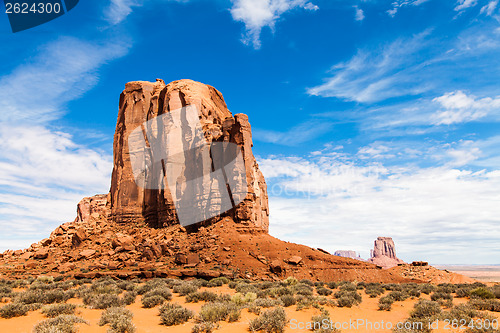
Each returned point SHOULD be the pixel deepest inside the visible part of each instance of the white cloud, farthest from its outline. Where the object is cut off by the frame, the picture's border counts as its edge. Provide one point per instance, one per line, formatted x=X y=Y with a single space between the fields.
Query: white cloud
x=489 y=9
x=396 y=5
x=458 y=107
x=464 y=4
x=375 y=75
x=257 y=14
x=43 y=171
x=333 y=204
x=359 y=14
x=118 y=10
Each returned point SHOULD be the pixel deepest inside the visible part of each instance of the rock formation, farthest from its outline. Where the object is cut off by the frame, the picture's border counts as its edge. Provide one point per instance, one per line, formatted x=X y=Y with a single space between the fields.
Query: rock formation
x=143 y=101
x=384 y=253
x=346 y=254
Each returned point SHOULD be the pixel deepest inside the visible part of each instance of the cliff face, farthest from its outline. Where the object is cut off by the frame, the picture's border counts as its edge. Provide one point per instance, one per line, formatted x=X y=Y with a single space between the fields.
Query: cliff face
x=384 y=253
x=143 y=105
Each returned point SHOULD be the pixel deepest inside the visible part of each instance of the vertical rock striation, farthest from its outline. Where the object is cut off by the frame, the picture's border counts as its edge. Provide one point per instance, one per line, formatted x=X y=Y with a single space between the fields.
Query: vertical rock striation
x=143 y=101
x=384 y=253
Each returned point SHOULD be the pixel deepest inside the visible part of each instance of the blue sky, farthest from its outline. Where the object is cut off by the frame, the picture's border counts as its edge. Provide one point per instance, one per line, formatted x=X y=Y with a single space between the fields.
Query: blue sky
x=370 y=118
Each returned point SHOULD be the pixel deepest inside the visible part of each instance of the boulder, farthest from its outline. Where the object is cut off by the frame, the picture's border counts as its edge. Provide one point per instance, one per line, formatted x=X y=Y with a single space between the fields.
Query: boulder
x=41 y=254
x=294 y=260
x=86 y=254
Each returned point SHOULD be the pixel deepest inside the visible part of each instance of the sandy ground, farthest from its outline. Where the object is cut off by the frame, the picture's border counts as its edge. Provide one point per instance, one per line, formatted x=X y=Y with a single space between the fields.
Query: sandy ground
x=484 y=273
x=148 y=321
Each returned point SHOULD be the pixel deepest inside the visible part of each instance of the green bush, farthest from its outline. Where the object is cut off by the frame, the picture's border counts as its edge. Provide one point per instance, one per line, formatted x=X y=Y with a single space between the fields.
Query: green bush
x=440 y=295
x=462 y=292
x=347 y=298
x=240 y=299
x=174 y=314
x=398 y=295
x=332 y=285
x=119 y=320
x=482 y=292
x=160 y=291
x=203 y=327
x=267 y=302
x=425 y=309
x=289 y=281
x=322 y=323
x=185 y=288
x=54 y=310
x=288 y=300
x=152 y=301
x=385 y=303
x=270 y=321
x=427 y=288
x=347 y=286
x=302 y=289
x=485 y=304
x=59 y=324
x=309 y=282
x=129 y=297
x=13 y=310
x=324 y=291
x=217 y=311
x=217 y=282
x=198 y=296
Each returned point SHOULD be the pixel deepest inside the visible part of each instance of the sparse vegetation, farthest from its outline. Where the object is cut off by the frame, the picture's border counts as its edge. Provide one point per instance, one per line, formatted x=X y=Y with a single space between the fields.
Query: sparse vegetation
x=14 y=310
x=218 y=311
x=270 y=321
x=203 y=327
x=54 y=310
x=198 y=296
x=59 y=324
x=288 y=300
x=385 y=303
x=174 y=314
x=119 y=320
x=482 y=292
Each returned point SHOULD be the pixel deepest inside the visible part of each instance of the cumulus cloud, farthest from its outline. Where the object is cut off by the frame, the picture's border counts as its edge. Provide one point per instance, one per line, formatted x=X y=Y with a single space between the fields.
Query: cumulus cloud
x=458 y=107
x=257 y=14
x=337 y=204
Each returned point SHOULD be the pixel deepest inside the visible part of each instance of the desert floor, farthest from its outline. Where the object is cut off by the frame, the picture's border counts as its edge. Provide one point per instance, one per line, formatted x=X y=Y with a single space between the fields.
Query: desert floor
x=484 y=273
x=147 y=320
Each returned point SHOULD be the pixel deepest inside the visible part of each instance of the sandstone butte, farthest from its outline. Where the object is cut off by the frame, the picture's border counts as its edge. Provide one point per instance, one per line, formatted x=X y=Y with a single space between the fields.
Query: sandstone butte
x=384 y=253
x=134 y=233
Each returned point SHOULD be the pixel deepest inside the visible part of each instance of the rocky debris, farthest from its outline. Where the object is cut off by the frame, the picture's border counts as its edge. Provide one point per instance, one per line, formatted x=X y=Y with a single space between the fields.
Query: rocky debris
x=78 y=237
x=294 y=260
x=420 y=263
x=384 y=253
x=87 y=254
x=41 y=254
x=142 y=101
x=429 y=274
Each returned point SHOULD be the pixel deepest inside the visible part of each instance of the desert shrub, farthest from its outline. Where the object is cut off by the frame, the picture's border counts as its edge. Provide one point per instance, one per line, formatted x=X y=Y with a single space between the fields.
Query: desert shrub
x=461 y=311
x=102 y=301
x=240 y=299
x=482 y=292
x=485 y=304
x=174 y=314
x=13 y=310
x=126 y=285
x=203 y=327
x=332 y=285
x=414 y=292
x=446 y=288
x=59 y=324
x=374 y=291
x=324 y=291
x=185 y=288
x=425 y=309
x=398 y=295
x=440 y=295
x=462 y=292
x=152 y=301
x=427 y=288
x=42 y=296
x=105 y=286
x=197 y=296
x=302 y=289
x=266 y=285
x=496 y=291
x=308 y=282
x=271 y=321
x=244 y=288
x=289 y=281
x=267 y=302
x=385 y=303
x=361 y=285
x=288 y=300
x=322 y=323
x=347 y=298
x=280 y=291
x=160 y=291
x=156 y=283
x=129 y=297
x=217 y=282
x=119 y=320
x=217 y=311
x=54 y=310
x=347 y=286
